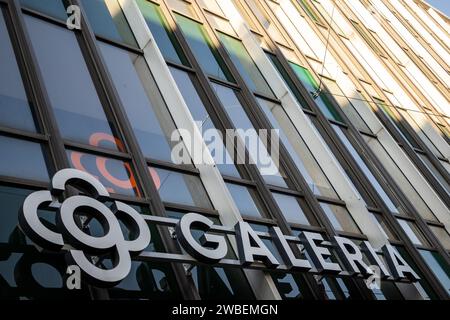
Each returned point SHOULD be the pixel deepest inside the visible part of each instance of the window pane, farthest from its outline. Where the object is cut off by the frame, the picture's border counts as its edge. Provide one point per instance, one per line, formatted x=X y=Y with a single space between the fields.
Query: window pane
x=284 y=75
x=189 y=189
x=340 y=218
x=117 y=176
x=198 y=111
x=384 y=227
x=14 y=105
x=139 y=94
x=387 y=200
x=22 y=159
x=297 y=149
x=202 y=48
x=291 y=209
x=241 y=121
x=164 y=38
x=107 y=20
x=412 y=232
x=53 y=8
x=440 y=269
x=245 y=200
x=323 y=100
x=71 y=90
x=245 y=65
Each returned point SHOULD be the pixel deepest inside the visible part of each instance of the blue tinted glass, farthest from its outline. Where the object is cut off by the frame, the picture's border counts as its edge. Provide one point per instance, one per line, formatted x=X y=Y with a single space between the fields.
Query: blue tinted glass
x=164 y=38
x=117 y=176
x=198 y=111
x=107 y=20
x=72 y=93
x=240 y=120
x=126 y=71
x=246 y=66
x=290 y=208
x=22 y=159
x=439 y=267
x=202 y=48
x=14 y=105
x=180 y=188
x=53 y=8
x=242 y=196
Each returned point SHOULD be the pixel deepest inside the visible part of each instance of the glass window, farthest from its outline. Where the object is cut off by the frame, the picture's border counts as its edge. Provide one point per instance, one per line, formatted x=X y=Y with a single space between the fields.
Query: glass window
x=440 y=269
x=340 y=218
x=245 y=65
x=164 y=38
x=182 y=7
x=308 y=9
x=107 y=20
x=15 y=109
x=284 y=75
x=240 y=120
x=387 y=200
x=297 y=149
x=200 y=115
x=291 y=208
x=245 y=199
x=189 y=188
x=22 y=159
x=202 y=48
x=413 y=232
x=323 y=100
x=53 y=8
x=70 y=88
x=139 y=94
x=117 y=176
x=442 y=181
x=442 y=235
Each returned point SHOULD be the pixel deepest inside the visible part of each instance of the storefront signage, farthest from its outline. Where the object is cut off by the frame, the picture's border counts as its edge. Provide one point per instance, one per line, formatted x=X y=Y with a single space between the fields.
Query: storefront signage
x=210 y=248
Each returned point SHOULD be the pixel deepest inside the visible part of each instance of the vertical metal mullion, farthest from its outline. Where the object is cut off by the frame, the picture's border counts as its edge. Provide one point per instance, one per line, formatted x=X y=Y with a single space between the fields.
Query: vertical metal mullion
x=116 y=110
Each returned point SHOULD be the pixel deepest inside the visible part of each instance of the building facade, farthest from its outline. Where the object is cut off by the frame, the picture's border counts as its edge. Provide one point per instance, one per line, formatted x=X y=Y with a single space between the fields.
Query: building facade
x=355 y=92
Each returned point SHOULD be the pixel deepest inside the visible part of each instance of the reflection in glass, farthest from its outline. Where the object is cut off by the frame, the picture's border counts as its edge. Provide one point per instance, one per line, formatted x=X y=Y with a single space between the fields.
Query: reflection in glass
x=202 y=48
x=412 y=232
x=297 y=149
x=72 y=93
x=240 y=120
x=52 y=8
x=245 y=200
x=323 y=100
x=107 y=20
x=340 y=218
x=180 y=188
x=164 y=38
x=387 y=200
x=200 y=115
x=245 y=65
x=22 y=159
x=117 y=176
x=139 y=94
x=14 y=105
x=291 y=209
